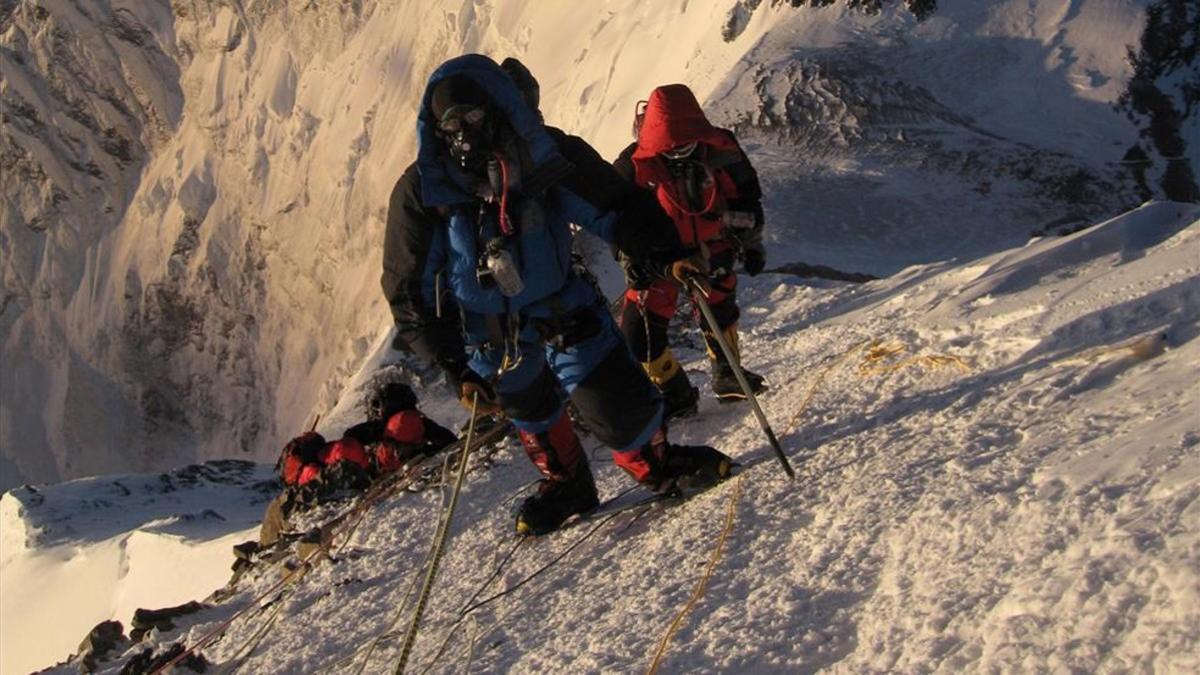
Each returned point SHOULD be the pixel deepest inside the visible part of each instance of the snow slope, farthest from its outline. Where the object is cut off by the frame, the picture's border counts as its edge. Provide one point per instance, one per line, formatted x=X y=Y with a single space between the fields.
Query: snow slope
x=998 y=468
x=76 y=554
x=191 y=235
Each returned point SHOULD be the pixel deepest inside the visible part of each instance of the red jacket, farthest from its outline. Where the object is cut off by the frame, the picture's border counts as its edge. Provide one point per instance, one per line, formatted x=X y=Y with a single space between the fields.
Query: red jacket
x=673 y=118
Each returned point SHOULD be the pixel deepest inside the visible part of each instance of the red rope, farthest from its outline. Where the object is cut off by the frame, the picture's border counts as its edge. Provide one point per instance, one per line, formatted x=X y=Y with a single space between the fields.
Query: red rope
x=211 y=635
x=505 y=225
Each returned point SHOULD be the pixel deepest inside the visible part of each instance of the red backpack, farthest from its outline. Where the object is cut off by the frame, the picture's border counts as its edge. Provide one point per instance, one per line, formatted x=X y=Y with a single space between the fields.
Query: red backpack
x=346 y=450
x=403 y=435
x=300 y=453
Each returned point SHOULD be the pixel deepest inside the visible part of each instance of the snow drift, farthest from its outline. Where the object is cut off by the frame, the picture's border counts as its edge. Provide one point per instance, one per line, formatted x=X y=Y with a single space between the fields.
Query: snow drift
x=75 y=554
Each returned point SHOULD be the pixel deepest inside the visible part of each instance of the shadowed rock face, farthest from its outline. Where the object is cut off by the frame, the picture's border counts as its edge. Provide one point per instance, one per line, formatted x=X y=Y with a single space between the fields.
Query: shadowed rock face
x=739 y=15
x=1163 y=96
x=117 y=362
x=167 y=261
x=90 y=92
x=858 y=138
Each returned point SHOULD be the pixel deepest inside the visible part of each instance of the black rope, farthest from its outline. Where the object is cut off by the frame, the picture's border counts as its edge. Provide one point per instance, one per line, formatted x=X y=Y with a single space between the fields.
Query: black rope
x=472 y=607
x=495 y=573
x=543 y=568
x=250 y=646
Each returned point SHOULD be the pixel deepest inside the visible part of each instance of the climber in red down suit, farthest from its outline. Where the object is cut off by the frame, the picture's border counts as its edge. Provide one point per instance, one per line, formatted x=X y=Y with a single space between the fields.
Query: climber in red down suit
x=705 y=182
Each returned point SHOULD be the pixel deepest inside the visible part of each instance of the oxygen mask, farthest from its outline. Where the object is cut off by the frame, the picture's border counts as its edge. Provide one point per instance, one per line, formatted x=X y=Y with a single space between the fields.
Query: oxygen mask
x=466 y=132
x=681 y=160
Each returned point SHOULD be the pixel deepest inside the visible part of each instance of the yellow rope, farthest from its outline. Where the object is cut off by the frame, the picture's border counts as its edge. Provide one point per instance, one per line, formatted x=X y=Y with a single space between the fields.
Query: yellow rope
x=877 y=353
x=812 y=391
x=873 y=363
x=928 y=360
x=702 y=584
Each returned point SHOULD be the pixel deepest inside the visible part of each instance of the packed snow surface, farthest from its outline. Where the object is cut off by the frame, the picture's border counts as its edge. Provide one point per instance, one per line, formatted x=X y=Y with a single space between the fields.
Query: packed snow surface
x=76 y=554
x=998 y=467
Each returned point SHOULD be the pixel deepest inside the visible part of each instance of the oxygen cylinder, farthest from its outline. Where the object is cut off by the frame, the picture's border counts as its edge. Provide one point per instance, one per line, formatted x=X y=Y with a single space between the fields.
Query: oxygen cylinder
x=504 y=270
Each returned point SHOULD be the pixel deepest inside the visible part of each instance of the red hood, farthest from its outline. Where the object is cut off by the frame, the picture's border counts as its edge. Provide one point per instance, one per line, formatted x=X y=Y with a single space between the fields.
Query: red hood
x=673 y=118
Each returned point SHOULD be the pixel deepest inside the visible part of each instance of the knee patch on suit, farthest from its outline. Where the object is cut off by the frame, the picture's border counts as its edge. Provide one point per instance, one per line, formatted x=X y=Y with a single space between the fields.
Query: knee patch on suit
x=617 y=400
x=537 y=402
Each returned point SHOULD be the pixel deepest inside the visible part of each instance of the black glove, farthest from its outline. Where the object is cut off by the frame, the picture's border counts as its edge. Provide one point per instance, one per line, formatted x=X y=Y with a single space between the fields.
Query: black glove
x=693 y=268
x=472 y=384
x=754 y=261
x=453 y=369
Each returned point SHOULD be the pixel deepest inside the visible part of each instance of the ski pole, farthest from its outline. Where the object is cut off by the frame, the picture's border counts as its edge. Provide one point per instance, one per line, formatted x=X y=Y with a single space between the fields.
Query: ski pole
x=731 y=358
x=439 y=540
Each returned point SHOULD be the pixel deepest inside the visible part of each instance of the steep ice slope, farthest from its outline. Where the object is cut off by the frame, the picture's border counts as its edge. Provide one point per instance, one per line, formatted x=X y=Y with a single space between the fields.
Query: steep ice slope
x=998 y=468
x=231 y=290
x=87 y=96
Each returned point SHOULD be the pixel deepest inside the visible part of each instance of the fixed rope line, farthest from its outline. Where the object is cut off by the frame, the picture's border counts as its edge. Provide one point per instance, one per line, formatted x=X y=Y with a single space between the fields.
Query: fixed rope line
x=440 y=539
x=495 y=573
x=370 y=648
x=240 y=657
x=702 y=584
x=873 y=363
x=575 y=544
x=820 y=380
x=305 y=563
x=412 y=586
x=468 y=610
x=346 y=523
x=389 y=633
x=254 y=604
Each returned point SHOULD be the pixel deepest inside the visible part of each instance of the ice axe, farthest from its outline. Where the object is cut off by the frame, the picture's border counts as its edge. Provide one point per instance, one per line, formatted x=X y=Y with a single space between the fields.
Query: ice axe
x=698 y=290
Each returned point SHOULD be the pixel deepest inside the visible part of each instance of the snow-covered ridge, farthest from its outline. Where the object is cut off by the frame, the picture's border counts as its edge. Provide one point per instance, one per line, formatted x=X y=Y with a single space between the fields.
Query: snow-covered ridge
x=75 y=554
x=178 y=502
x=998 y=468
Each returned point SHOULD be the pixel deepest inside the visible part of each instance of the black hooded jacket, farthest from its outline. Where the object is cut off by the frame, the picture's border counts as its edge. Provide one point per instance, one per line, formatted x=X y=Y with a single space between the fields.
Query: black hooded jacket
x=643 y=232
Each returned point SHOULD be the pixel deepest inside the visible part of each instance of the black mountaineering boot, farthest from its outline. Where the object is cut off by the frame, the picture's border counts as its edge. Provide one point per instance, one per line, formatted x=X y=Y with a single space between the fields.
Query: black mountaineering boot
x=556 y=501
x=680 y=398
x=670 y=469
x=724 y=383
x=726 y=387
x=568 y=487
